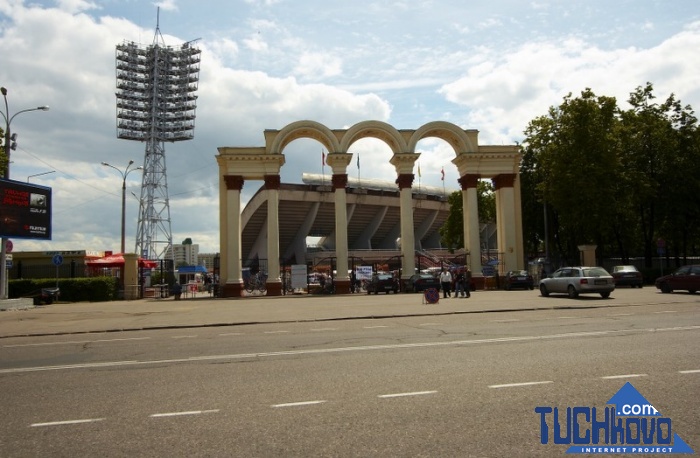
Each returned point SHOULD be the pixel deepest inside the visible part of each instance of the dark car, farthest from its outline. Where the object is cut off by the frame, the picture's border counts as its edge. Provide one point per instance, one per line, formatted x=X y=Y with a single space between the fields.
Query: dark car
x=383 y=283
x=421 y=282
x=686 y=278
x=518 y=279
x=45 y=296
x=627 y=276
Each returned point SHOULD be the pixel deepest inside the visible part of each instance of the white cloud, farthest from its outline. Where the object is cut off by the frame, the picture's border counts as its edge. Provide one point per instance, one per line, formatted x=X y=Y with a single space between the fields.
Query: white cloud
x=317 y=66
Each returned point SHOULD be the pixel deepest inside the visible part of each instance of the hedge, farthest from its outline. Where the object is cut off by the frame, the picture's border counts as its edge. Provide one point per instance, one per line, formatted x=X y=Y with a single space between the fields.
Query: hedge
x=92 y=289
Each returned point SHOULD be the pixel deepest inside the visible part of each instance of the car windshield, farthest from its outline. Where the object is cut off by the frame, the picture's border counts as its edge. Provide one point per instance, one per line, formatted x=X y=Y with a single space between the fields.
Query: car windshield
x=384 y=277
x=595 y=272
x=518 y=273
x=624 y=269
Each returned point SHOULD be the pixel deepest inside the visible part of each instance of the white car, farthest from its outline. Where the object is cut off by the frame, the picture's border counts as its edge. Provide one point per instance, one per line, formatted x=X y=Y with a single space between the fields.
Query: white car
x=578 y=280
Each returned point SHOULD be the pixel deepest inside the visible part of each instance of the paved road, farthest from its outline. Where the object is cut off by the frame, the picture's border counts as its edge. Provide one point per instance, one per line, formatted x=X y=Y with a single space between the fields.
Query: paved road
x=305 y=378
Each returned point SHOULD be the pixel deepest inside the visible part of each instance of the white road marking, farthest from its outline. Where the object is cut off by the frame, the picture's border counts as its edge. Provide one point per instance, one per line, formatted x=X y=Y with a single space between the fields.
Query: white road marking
x=398 y=395
x=374 y=327
x=430 y=324
x=275 y=332
x=567 y=317
x=183 y=337
x=668 y=311
x=231 y=334
x=612 y=377
x=296 y=404
x=693 y=371
x=323 y=329
x=567 y=335
x=505 y=321
x=66 y=422
x=73 y=342
x=621 y=314
x=512 y=385
x=179 y=414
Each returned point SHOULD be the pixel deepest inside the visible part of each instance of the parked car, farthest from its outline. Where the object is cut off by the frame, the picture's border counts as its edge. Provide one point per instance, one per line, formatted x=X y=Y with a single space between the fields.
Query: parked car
x=382 y=283
x=421 y=282
x=685 y=278
x=45 y=296
x=518 y=279
x=578 y=280
x=627 y=276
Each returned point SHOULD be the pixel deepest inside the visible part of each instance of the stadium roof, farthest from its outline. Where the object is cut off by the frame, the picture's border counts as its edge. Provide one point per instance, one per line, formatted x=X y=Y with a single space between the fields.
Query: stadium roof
x=373 y=209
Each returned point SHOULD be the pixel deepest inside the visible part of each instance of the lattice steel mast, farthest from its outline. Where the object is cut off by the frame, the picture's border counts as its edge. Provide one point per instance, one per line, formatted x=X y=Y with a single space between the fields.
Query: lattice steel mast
x=156 y=103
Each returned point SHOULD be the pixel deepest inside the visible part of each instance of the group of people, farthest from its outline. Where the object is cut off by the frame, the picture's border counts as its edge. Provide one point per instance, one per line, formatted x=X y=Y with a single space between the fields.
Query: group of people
x=460 y=283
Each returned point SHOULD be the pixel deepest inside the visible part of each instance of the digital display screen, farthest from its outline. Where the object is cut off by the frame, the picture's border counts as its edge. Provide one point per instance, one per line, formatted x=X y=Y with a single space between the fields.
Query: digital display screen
x=25 y=210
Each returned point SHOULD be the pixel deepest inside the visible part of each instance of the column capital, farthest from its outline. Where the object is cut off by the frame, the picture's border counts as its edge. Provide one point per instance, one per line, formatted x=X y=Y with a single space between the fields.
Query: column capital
x=272 y=182
x=234 y=182
x=470 y=180
x=340 y=181
x=405 y=180
x=504 y=180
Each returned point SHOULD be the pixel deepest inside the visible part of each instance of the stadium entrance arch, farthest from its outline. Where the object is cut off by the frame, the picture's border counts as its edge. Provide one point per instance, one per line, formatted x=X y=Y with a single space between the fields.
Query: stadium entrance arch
x=473 y=161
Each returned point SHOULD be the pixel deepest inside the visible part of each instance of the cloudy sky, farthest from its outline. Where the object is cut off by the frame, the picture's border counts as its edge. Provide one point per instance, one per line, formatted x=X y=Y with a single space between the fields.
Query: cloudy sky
x=486 y=65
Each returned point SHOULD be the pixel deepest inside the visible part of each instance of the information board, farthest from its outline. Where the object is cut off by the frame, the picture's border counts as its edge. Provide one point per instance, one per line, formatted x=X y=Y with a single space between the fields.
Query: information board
x=25 y=210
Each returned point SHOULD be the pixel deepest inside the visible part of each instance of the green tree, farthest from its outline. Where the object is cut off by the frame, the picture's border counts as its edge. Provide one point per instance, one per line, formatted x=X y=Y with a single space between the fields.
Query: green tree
x=572 y=156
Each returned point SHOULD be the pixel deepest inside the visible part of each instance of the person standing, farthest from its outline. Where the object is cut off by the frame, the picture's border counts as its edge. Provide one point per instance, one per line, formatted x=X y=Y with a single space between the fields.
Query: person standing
x=459 y=284
x=446 y=282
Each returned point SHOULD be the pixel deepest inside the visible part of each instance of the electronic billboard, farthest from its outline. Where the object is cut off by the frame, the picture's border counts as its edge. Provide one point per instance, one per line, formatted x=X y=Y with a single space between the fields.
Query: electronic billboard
x=25 y=210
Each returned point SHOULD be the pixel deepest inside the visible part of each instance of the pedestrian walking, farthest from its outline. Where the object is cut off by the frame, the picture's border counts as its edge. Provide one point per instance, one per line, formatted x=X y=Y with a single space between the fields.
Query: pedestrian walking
x=468 y=282
x=446 y=283
x=460 y=284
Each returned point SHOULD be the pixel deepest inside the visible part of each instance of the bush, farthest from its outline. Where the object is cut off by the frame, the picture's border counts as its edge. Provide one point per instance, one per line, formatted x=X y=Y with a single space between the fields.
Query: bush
x=93 y=289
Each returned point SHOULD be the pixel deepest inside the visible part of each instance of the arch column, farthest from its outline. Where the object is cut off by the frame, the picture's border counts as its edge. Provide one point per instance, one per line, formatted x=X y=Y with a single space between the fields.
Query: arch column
x=506 y=219
x=339 y=164
x=408 y=249
x=274 y=283
x=470 y=220
x=230 y=238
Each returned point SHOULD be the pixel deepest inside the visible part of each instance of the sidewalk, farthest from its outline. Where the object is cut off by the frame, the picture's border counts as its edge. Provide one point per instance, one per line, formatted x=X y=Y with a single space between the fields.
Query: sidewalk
x=75 y=318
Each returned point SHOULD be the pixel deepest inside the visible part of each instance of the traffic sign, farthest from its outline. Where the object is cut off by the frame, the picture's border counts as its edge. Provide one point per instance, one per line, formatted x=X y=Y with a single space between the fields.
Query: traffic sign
x=57 y=260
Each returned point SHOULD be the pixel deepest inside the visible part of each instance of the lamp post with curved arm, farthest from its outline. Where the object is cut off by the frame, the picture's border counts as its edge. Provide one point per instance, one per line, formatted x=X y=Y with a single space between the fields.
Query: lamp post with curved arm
x=124 y=174
x=9 y=147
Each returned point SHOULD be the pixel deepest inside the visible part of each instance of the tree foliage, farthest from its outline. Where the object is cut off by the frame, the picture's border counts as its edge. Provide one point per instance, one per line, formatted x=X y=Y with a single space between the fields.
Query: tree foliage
x=620 y=179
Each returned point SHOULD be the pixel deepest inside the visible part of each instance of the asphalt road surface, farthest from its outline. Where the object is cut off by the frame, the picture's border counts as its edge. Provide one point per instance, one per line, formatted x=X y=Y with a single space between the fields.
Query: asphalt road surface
x=434 y=386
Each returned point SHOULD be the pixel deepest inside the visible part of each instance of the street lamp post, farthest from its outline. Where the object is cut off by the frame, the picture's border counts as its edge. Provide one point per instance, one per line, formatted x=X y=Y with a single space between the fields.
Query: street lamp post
x=124 y=174
x=8 y=148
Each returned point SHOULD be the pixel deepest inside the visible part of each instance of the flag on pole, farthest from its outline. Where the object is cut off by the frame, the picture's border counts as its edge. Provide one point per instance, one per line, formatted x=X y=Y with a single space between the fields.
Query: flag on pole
x=419 y=170
x=323 y=157
x=358 y=161
x=442 y=171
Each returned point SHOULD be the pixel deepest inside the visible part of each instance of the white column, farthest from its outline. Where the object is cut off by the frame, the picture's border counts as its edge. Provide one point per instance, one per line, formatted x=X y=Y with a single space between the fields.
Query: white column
x=470 y=215
x=341 y=226
x=272 y=184
x=507 y=221
x=408 y=249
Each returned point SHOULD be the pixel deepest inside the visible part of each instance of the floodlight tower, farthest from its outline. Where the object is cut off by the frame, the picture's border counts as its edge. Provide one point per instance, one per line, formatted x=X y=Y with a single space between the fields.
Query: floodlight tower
x=156 y=103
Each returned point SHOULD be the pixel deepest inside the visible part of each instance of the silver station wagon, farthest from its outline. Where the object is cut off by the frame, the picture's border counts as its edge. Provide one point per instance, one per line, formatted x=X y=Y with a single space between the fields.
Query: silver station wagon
x=578 y=280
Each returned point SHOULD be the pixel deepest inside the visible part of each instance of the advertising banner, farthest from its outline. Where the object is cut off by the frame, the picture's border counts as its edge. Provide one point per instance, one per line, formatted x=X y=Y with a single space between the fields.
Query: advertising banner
x=25 y=210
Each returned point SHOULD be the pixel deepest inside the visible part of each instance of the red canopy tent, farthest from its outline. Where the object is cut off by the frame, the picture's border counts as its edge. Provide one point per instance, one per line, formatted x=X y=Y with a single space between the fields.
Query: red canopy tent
x=117 y=260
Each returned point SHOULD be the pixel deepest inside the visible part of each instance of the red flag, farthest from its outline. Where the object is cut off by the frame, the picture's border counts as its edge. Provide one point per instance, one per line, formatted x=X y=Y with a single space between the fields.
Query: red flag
x=443 y=173
x=323 y=158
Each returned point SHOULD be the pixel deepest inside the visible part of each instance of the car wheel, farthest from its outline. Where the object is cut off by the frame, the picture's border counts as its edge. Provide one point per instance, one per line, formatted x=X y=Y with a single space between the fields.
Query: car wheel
x=605 y=295
x=543 y=291
x=691 y=291
x=573 y=294
x=531 y=287
x=665 y=288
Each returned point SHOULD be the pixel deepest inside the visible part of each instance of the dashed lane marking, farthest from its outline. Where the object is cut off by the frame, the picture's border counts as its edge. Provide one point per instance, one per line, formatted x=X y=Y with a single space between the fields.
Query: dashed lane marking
x=514 y=385
x=399 y=395
x=180 y=414
x=613 y=377
x=693 y=371
x=297 y=404
x=66 y=422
